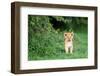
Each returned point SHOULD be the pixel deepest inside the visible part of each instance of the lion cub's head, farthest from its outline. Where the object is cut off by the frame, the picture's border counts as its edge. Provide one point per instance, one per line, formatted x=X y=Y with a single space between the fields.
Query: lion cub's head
x=68 y=36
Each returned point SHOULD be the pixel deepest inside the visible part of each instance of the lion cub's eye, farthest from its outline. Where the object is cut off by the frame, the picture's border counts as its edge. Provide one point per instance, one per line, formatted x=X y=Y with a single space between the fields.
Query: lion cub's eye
x=71 y=34
x=65 y=34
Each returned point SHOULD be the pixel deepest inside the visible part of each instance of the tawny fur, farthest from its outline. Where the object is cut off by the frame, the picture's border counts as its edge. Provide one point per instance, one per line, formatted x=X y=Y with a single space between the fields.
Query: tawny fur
x=68 y=39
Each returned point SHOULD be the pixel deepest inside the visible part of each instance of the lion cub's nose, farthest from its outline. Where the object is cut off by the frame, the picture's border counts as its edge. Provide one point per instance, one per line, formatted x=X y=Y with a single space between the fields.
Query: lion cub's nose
x=69 y=40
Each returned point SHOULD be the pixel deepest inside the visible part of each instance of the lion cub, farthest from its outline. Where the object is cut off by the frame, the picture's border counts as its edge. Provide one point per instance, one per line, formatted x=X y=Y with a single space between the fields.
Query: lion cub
x=68 y=38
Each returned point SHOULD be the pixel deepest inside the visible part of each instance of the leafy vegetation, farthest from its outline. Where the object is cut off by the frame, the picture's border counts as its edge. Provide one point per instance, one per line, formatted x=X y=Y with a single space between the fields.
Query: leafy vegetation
x=46 y=37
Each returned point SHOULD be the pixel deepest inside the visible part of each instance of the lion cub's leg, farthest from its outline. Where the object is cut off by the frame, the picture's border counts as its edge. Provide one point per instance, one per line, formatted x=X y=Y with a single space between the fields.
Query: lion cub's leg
x=66 y=49
x=71 y=50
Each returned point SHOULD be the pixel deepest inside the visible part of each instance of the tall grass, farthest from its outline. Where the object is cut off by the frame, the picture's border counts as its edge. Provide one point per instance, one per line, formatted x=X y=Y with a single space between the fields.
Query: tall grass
x=51 y=46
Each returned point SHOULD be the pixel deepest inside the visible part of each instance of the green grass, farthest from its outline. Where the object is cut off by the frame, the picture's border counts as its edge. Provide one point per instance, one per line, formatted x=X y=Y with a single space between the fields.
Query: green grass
x=50 y=46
